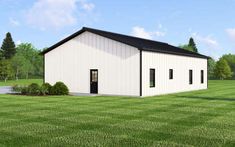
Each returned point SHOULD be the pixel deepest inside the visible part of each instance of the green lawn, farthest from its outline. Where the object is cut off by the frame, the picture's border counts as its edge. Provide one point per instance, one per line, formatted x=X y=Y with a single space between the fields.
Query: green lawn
x=200 y=118
x=20 y=82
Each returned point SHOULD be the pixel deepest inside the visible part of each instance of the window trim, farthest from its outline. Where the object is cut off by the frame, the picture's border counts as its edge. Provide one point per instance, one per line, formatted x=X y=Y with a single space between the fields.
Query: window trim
x=153 y=85
x=171 y=74
x=202 y=76
x=190 y=76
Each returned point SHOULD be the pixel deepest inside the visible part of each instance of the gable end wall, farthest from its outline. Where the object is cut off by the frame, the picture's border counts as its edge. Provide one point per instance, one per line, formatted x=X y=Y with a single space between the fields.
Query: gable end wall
x=117 y=64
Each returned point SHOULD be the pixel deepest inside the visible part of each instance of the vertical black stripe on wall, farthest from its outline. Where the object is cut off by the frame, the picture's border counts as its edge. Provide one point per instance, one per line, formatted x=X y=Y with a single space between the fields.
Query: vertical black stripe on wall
x=140 y=72
x=207 y=72
x=44 y=68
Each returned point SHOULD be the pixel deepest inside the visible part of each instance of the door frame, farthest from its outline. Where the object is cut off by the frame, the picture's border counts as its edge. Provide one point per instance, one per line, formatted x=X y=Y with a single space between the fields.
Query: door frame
x=91 y=80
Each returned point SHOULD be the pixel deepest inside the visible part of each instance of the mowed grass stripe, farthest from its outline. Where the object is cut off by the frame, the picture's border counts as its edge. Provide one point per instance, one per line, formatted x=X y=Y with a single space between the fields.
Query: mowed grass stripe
x=198 y=118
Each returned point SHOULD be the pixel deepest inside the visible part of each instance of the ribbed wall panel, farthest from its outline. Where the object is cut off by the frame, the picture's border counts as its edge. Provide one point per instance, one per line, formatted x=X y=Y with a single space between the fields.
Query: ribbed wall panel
x=117 y=64
x=180 y=65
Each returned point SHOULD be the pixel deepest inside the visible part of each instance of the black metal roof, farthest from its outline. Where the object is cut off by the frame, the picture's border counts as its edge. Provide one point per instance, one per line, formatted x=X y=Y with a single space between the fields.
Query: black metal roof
x=141 y=44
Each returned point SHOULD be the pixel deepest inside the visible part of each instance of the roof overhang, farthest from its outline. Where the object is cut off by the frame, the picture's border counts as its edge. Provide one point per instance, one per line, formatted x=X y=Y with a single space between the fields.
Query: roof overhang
x=99 y=32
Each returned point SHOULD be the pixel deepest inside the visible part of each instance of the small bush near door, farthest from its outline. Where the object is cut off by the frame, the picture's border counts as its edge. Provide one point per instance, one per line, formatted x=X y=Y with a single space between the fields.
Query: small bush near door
x=59 y=89
x=45 y=89
x=34 y=89
x=17 y=88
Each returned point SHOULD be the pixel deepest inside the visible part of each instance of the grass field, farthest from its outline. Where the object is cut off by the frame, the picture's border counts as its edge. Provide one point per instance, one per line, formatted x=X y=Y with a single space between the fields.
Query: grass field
x=20 y=82
x=200 y=118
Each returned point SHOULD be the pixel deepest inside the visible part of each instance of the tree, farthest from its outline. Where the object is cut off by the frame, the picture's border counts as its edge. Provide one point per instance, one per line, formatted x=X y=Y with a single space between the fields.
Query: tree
x=5 y=70
x=230 y=58
x=34 y=61
x=8 y=47
x=38 y=66
x=186 y=47
x=20 y=66
x=192 y=45
x=222 y=69
x=211 y=68
x=1 y=55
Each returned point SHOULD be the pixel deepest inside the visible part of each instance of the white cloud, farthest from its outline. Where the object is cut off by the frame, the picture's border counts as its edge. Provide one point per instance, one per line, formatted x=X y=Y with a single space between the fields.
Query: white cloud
x=231 y=33
x=159 y=33
x=207 y=40
x=208 y=45
x=18 y=42
x=14 y=22
x=52 y=13
x=55 y=14
x=88 y=6
x=142 y=33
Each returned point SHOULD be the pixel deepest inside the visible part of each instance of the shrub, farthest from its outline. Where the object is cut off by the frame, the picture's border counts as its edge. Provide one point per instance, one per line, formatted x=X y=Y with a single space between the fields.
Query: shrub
x=33 y=89
x=59 y=89
x=20 y=89
x=17 y=88
x=45 y=89
x=24 y=90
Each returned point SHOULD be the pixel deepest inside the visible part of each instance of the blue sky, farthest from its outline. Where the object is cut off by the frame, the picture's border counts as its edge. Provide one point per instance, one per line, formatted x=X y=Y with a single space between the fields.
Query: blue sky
x=44 y=22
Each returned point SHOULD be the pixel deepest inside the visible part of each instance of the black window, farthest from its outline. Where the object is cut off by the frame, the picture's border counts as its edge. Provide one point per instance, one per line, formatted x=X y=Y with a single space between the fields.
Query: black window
x=152 y=78
x=190 y=76
x=170 y=74
x=202 y=76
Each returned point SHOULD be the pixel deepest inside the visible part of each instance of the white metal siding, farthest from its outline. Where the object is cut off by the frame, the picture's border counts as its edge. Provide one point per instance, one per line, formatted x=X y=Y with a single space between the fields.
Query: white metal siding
x=180 y=65
x=117 y=64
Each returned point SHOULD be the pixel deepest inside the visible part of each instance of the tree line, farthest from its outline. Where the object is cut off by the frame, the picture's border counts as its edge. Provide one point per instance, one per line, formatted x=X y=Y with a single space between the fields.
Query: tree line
x=23 y=61
x=224 y=68
x=19 y=62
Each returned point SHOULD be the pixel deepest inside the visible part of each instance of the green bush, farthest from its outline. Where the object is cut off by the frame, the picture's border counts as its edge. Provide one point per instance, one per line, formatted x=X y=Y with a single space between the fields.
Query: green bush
x=24 y=90
x=20 y=89
x=33 y=89
x=17 y=88
x=45 y=89
x=59 y=89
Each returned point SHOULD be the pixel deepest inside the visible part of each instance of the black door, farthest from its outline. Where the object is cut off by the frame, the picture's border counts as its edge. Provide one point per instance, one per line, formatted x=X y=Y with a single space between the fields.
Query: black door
x=93 y=81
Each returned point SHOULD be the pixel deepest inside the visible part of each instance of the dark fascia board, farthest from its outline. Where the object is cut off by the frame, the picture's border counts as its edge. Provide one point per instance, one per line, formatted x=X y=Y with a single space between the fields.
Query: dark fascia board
x=175 y=53
x=75 y=35
x=112 y=38
x=139 y=48
x=63 y=41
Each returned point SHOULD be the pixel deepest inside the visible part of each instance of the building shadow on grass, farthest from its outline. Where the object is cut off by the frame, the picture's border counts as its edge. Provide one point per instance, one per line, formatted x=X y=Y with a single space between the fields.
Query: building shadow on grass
x=207 y=98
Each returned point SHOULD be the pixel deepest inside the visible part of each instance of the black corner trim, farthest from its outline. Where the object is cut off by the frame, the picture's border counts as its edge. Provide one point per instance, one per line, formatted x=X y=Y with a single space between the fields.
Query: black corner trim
x=207 y=72
x=140 y=72
x=44 y=69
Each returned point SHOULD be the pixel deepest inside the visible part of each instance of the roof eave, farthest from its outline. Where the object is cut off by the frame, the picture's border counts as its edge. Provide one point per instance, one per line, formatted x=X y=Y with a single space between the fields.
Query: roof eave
x=63 y=41
x=174 y=53
x=113 y=38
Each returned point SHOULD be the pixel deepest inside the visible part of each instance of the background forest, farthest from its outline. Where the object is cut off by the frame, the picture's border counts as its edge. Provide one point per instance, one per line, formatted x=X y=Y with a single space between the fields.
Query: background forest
x=24 y=61
x=19 y=62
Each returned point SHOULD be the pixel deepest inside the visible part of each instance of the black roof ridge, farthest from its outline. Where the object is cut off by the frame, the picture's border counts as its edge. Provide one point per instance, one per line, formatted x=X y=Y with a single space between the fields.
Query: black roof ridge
x=154 y=41
x=139 y=43
x=87 y=28
x=186 y=50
